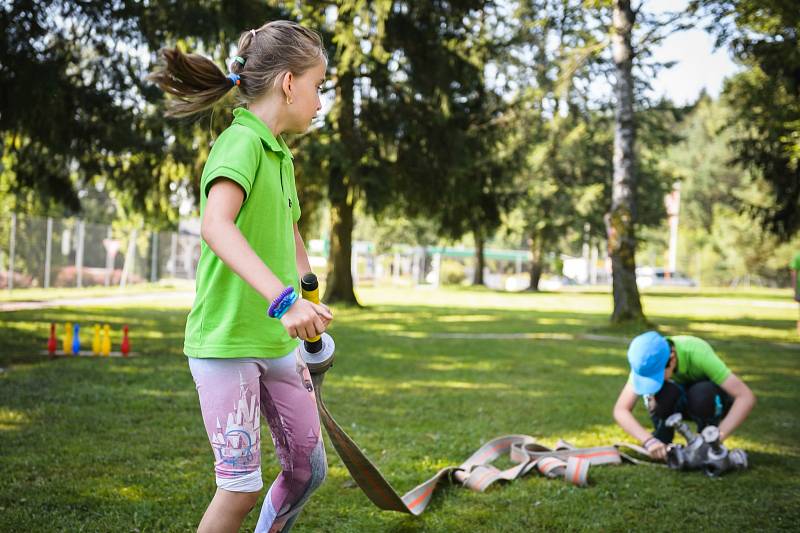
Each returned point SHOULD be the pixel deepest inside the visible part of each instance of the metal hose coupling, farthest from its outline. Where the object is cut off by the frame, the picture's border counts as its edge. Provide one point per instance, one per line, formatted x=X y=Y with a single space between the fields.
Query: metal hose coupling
x=720 y=459
x=690 y=457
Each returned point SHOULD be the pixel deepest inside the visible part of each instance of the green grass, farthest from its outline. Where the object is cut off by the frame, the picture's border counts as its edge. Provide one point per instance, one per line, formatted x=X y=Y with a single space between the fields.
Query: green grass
x=118 y=445
x=39 y=294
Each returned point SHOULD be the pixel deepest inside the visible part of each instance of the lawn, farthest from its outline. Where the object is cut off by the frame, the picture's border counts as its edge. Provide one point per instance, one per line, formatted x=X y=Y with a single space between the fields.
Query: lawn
x=422 y=378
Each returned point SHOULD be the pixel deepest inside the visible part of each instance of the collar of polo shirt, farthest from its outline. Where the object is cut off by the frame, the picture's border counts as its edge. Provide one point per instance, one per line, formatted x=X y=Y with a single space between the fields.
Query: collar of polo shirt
x=246 y=118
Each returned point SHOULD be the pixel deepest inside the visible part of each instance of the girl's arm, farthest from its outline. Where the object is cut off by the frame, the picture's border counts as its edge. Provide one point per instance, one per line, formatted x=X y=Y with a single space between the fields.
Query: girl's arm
x=303 y=266
x=220 y=233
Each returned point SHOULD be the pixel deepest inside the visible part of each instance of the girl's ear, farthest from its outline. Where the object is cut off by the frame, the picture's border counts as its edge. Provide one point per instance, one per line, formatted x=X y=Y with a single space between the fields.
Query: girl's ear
x=286 y=85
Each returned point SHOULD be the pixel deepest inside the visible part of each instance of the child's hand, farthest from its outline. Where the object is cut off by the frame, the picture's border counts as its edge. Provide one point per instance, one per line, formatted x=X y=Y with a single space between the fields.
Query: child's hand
x=657 y=450
x=306 y=320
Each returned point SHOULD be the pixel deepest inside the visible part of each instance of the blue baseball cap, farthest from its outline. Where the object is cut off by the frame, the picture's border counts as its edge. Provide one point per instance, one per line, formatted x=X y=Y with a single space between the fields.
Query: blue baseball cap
x=648 y=355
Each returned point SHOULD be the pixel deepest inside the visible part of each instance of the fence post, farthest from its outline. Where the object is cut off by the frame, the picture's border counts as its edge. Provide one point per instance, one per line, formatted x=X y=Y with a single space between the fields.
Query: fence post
x=437 y=267
x=154 y=257
x=48 y=252
x=129 y=263
x=79 y=256
x=109 y=260
x=12 y=245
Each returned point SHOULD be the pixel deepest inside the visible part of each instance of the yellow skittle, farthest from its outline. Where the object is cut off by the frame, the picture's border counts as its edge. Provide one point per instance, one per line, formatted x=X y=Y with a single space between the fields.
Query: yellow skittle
x=106 y=349
x=96 y=340
x=67 y=344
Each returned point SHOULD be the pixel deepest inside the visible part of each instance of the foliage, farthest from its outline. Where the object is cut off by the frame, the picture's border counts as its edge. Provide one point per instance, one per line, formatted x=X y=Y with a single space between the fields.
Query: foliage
x=719 y=241
x=765 y=37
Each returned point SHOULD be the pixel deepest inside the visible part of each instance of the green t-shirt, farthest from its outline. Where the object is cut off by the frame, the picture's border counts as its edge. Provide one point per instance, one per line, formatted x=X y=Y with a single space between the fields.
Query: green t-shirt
x=697 y=361
x=228 y=317
x=795 y=265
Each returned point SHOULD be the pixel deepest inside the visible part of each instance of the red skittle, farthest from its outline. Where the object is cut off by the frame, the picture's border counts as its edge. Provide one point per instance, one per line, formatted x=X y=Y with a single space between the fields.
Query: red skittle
x=125 y=348
x=51 y=342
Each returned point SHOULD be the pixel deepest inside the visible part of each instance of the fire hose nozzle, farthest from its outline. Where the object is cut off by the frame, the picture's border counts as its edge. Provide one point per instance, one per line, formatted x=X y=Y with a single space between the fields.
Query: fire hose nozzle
x=317 y=352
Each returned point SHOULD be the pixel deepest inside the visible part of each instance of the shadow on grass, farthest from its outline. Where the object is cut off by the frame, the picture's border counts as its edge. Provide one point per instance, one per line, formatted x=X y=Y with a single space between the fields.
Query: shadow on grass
x=414 y=403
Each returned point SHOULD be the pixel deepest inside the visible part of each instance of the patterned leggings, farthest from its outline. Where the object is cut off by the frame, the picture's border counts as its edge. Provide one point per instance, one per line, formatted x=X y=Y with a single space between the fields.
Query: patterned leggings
x=232 y=392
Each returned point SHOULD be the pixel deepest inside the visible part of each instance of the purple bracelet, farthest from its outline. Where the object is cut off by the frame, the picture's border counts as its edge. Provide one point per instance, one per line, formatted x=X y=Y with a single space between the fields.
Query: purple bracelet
x=277 y=301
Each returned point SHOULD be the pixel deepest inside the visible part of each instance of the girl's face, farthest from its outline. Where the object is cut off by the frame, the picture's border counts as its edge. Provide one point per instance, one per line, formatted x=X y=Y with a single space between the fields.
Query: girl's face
x=305 y=97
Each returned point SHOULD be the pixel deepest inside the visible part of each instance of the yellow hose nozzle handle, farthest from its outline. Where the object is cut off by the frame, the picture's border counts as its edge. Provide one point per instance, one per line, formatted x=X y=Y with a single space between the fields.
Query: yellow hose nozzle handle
x=310 y=286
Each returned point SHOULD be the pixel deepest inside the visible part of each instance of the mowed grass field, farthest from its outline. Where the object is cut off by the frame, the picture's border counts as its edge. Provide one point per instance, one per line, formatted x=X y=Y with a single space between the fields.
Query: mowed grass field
x=422 y=378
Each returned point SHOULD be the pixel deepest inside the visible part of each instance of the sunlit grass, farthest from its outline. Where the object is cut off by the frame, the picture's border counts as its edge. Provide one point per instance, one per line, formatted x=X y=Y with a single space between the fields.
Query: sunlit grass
x=422 y=378
x=39 y=294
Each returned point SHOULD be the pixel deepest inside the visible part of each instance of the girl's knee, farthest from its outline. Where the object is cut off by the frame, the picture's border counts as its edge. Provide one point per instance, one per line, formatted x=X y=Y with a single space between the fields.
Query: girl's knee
x=308 y=479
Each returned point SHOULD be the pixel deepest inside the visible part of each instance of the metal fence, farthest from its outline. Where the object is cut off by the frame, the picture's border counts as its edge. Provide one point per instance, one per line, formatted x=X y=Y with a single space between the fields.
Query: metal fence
x=52 y=252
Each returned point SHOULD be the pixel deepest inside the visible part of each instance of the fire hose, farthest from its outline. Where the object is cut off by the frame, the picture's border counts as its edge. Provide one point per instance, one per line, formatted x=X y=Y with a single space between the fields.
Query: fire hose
x=477 y=472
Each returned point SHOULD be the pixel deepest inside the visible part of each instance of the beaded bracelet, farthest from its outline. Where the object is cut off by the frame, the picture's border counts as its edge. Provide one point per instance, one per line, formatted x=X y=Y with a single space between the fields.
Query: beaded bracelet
x=277 y=301
x=284 y=306
x=646 y=444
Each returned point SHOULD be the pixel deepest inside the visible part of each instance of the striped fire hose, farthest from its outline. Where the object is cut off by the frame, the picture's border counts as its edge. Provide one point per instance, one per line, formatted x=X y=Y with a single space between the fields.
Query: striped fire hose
x=477 y=472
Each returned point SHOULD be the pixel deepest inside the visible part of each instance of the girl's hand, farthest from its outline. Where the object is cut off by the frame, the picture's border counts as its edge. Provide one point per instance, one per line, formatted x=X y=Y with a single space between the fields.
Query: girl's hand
x=306 y=320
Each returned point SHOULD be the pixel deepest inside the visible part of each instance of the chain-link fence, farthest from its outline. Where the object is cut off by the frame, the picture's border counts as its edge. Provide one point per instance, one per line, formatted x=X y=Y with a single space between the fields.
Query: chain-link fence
x=51 y=252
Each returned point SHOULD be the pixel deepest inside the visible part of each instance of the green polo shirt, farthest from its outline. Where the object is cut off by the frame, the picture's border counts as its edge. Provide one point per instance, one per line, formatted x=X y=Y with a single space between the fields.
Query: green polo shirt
x=795 y=265
x=228 y=317
x=697 y=361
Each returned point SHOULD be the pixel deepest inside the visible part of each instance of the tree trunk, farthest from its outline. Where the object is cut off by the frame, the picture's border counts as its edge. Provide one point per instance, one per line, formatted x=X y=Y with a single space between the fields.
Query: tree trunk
x=339 y=286
x=477 y=279
x=537 y=253
x=621 y=219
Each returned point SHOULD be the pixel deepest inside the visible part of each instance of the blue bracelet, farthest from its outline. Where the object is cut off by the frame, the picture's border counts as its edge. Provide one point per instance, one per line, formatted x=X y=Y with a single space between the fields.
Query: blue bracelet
x=284 y=306
x=273 y=307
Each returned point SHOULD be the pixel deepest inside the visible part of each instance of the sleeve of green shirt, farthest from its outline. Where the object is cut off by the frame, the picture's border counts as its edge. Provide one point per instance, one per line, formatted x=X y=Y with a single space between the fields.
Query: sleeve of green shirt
x=235 y=155
x=795 y=265
x=710 y=363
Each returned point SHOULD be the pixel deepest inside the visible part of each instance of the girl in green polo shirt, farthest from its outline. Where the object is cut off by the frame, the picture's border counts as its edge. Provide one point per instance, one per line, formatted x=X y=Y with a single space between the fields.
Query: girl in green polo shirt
x=242 y=332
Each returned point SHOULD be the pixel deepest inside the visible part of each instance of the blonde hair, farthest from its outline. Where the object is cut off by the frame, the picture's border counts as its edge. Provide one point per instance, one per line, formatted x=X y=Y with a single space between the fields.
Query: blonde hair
x=197 y=83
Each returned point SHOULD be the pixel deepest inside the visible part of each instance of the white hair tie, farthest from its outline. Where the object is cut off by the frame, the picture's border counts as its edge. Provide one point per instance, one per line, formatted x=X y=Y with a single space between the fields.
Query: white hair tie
x=253 y=33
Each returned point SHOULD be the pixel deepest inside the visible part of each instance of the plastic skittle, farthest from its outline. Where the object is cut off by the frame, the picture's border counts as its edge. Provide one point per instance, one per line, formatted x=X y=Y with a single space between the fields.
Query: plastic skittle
x=67 y=344
x=51 y=342
x=106 y=350
x=76 y=340
x=125 y=347
x=96 y=340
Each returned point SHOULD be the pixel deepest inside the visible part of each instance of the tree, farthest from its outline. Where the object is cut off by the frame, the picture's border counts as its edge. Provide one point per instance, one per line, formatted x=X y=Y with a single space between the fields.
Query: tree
x=765 y=37
x=343 y=157
x=721 y=243
x=621 y=219
x=77 y=113
x=553 y=57
x=452 y=162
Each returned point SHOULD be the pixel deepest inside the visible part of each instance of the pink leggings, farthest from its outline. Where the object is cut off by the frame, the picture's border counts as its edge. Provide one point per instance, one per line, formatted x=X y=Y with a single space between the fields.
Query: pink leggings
x=232 y=391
